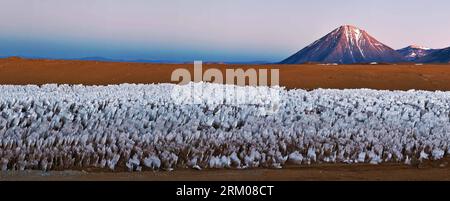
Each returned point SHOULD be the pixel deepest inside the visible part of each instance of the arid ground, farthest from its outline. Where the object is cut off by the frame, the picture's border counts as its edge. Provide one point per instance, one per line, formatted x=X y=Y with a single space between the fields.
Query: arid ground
x=436 y=170
x=308 y=76
x=18 y=71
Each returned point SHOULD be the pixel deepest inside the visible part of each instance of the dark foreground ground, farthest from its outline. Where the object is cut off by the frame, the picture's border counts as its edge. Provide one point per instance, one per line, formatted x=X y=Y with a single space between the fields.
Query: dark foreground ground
x=437 y=170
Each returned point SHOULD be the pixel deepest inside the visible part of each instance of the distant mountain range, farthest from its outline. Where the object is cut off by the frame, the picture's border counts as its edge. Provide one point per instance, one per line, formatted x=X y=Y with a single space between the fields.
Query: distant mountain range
x=349 y=44
x=125 y=60
x=415 y=52
x=101 y=59
x=166 y=61
x=436 y=56
x=104 y=59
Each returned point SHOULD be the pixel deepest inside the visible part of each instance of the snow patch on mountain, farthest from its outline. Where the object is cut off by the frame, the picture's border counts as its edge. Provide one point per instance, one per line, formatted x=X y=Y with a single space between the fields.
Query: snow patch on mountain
x=419 y=47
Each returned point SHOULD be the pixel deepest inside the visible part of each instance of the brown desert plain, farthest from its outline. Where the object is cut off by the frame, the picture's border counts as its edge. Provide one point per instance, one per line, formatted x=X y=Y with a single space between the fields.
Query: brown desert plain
x=17 y=71
x=431 y=77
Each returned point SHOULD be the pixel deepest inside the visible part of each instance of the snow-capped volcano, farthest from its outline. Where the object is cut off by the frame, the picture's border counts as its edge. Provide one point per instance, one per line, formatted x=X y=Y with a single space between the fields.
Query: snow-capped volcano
x=414 y=52
x=346 y=44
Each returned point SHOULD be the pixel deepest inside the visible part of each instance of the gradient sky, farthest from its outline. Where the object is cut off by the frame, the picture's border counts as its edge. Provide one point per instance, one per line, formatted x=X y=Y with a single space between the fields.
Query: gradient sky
x=209 y=30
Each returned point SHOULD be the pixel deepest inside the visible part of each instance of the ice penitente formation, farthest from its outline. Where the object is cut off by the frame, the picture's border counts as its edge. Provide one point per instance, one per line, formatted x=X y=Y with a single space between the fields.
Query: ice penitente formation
x=139 y=127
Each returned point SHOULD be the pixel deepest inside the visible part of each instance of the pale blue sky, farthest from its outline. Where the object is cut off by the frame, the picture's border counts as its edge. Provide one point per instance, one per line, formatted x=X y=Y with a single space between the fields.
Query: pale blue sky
x=226 y=30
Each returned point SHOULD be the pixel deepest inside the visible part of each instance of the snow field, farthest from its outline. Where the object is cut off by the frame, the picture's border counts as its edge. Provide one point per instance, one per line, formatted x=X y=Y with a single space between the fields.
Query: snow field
x=164 y=126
